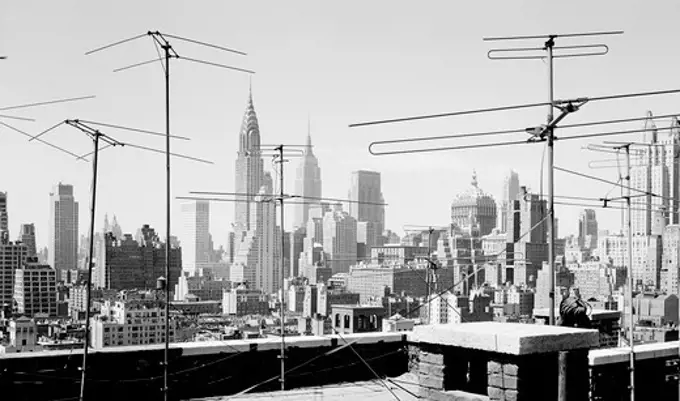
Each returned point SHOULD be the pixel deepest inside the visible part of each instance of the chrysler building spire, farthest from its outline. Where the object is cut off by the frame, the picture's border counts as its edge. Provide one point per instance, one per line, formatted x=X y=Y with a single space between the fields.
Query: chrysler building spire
x=249 y=167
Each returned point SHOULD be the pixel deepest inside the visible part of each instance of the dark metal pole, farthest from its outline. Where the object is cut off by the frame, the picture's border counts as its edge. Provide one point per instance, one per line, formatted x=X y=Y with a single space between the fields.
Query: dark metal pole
x=428 y=271
x=551 y=186
x=88 y=295
x=631 y=323
x=283 y=309
x=167 y=234
x=562 y=384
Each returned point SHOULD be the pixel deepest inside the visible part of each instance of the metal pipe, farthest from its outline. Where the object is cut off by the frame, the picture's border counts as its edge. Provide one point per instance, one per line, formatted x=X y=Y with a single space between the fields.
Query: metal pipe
x=283 y=309
x=166 y=48
x=88 y=294
x=631 y=325
x=429 y=281
x=562 y=383
x=551 y=186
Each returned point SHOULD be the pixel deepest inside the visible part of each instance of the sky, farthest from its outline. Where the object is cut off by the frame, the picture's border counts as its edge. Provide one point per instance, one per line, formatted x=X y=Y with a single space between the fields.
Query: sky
x=338 y=63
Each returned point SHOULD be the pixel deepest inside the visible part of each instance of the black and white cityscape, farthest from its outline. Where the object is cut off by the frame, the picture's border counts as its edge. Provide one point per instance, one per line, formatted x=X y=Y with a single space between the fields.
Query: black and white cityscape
x=316 y=201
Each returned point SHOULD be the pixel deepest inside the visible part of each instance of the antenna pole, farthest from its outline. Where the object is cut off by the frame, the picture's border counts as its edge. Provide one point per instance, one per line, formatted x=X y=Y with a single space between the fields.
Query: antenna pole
x=166 y=48
x=283 y=309
x=631 y=325
x=88 y=295
x=428 y=271
x=551 y=186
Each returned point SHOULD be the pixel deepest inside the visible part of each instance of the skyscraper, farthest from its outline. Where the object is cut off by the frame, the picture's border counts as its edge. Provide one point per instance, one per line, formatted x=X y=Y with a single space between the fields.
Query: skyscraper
x=196 y=246
x=340 y=239
x=366 y=196
x=4 y=219
x=655 y=171
x=474 y=210
x=63 y=229
x=256 y=250
x=587 y=229
x=249 y=169
x=307 y=183
x=509 y=195
x=27 y=237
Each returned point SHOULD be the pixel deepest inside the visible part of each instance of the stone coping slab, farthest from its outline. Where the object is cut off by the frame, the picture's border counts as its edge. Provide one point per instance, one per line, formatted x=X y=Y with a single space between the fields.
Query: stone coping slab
x=506 y=338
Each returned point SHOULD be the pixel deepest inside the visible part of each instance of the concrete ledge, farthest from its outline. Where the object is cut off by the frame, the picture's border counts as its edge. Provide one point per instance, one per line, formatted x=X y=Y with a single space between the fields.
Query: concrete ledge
x=231 y=346
x=506 y=338
x=645 y=351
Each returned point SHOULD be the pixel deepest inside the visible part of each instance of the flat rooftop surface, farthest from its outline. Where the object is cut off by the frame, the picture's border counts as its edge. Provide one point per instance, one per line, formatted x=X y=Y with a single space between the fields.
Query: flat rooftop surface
x=404 y=387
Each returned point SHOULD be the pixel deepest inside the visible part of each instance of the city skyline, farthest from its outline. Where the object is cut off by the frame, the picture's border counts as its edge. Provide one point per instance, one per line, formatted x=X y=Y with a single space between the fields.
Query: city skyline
x=288 y=92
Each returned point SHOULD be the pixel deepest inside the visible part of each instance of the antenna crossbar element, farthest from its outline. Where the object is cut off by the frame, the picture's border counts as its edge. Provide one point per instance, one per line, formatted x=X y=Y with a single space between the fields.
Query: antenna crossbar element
x=552 y=36
x=48 y=102
x=588 y=50
x=16 y=118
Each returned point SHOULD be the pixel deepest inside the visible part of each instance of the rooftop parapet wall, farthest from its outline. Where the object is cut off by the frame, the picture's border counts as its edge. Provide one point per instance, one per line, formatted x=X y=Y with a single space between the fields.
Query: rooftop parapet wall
x=499 y=361
x=201 y=369
x=657 y=368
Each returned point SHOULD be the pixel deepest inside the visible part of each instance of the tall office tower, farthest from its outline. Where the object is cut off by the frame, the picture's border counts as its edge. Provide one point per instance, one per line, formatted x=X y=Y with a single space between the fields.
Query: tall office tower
x=12 y=257
x=115 y=228
x=256 y=261
x=4 y=219
x=307 y=184
x=28 y=238
x=196 y=246
x=672 y=142
x=509 y=195
x=474 y=209
x=63 y=229
x=340 y=239
x=297 y=246
x=366 y=196
x=587 y=229
x=527 y=237
x=670 y=267
x=256 y=249
x=655 y=171
x=35 y=289
x=249 y=169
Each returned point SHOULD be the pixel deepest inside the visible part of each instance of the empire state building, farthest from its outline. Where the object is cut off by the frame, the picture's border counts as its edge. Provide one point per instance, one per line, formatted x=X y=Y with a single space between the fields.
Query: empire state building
x=307 y=184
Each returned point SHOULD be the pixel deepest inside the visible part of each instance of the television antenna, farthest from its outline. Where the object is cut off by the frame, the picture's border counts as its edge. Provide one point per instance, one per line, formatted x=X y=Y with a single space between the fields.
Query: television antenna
x=161 y=40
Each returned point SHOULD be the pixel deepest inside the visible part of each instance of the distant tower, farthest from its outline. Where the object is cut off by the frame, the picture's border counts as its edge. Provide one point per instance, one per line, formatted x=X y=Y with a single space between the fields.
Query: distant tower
x=28 y=238
x=115 y=228
x=340 y=239
x=63 y=229
x=509 y=195
x=196 y=247
x=256 y=249
x=366 y=196
x=249 y=168
x=307 y=183
x=474 y=209
x=4 y=219
x=587 y=229
x=654 y=174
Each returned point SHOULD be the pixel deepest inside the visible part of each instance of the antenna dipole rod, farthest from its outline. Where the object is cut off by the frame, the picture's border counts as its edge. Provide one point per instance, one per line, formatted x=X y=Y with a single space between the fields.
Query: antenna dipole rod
x=631 y=324
x=88 y=293
x=166 y=390
x=283 y=309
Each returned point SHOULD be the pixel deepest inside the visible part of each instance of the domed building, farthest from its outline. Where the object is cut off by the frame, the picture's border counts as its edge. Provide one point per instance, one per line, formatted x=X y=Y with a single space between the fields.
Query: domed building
x=474 y=210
